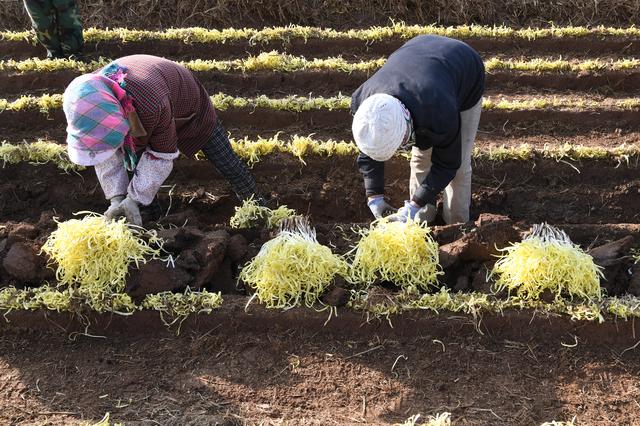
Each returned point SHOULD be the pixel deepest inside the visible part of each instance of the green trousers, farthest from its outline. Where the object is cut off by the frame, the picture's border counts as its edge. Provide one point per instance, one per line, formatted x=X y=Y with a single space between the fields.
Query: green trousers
x=57 y=26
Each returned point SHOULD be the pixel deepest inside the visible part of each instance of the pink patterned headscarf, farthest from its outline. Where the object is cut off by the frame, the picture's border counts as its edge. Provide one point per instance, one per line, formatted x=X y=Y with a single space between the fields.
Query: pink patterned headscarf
x=96 y=107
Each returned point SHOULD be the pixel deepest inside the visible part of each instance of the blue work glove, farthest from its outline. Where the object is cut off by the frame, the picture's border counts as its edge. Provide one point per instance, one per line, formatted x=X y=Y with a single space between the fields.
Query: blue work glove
x=379 y=206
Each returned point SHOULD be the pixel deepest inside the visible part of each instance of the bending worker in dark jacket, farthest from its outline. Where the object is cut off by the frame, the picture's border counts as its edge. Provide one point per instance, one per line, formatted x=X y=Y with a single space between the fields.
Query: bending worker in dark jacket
x=428 y=95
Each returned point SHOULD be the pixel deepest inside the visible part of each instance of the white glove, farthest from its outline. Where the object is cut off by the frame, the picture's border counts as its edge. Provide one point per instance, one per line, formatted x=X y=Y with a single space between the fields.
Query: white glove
x=410 y=212
x=427 y=213
x=129 y=209
x=379 y=207
x=115 y=203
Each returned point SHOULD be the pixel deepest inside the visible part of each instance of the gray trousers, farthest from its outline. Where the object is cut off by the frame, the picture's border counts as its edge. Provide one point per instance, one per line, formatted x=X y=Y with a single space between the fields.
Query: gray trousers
x=457 y=195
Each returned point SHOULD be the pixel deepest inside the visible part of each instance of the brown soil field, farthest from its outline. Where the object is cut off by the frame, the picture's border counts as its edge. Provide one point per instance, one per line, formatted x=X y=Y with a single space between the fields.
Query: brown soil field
x=252 y=365
x=331 y=191
x=236 y=368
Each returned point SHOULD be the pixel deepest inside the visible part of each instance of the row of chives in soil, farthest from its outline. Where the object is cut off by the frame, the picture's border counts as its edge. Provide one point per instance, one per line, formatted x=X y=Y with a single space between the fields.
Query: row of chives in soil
x=293 y=269
x=372 y=34
x=48 y=103
x=280 y=62
x=70 y=300
x=180 y=305
x=177 y=306
x=476 y=304
x=302 y=147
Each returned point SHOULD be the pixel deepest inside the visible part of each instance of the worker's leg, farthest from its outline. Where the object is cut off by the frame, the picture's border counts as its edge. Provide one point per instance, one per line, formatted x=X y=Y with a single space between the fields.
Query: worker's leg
x=43 y=22
x=420 y=167
x=69 y=27
x=457 y=195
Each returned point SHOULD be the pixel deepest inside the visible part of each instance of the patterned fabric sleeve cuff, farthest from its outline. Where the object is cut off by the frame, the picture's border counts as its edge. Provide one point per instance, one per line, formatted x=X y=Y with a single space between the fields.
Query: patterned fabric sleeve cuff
x=153 y=169
x=112 y=176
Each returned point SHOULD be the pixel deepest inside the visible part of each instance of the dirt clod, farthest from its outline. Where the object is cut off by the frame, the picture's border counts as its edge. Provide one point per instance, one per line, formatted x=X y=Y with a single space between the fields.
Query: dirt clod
x=223 y=279
x=610 y=253
x=238 y=248
x=23 y=232
x=23 y=263
x=480 y=282
x=188 y=261
x=634 y=285
x=462 y=283
x=168 y=235
x=336 y=296
x=181 y=218
x=210 y=253
x=46 y=220
x=482 y=242
x=155 y=277
x=178 y=239
x=612 y=258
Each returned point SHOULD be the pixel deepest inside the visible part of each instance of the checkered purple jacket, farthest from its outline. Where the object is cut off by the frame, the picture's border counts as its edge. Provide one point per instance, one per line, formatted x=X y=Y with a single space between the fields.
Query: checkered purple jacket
x=162 y=92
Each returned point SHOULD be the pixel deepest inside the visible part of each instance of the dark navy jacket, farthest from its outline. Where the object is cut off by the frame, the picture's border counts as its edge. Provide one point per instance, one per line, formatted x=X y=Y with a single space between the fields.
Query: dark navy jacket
x=435 y=78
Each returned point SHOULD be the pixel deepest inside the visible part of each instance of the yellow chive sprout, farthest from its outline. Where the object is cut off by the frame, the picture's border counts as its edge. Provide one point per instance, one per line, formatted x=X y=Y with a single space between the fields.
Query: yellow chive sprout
x=252 y=215
x=404 y=253
x=292 y=269
x=92 y=255
x=547 y=260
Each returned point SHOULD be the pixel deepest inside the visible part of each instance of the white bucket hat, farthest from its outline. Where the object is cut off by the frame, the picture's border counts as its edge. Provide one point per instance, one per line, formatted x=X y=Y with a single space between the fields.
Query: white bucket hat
x=380 y=126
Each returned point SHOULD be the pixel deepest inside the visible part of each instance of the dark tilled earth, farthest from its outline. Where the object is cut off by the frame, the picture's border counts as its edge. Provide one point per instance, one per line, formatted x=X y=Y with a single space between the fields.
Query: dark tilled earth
x=305 y=373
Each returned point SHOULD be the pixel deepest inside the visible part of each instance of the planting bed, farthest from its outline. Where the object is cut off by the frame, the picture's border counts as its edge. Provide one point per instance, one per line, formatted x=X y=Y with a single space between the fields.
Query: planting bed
x=236 y=366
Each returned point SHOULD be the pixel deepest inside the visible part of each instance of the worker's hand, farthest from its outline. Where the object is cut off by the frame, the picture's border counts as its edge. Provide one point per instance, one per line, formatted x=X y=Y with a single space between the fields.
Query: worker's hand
x=127 y=208
x=427 y=214
x=379 y=207
x=408 y=211
x=415 y=212
x=131 y=211
x=115 y=203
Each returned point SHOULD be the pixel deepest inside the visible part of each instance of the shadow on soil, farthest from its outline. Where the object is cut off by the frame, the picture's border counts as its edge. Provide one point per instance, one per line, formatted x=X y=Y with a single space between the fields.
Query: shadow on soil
x=316 y=375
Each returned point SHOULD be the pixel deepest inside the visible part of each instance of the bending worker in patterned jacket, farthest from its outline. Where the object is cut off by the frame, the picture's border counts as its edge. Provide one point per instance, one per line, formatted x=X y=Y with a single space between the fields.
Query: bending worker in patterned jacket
x=427 y=95
x=57 y=26
x=146 y=103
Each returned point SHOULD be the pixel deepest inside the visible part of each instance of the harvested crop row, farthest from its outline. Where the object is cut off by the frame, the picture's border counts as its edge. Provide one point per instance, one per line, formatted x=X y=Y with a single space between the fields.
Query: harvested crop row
x=180 y=306
x=476 y=304
x=48 y=103
x=92 y=257
x=176 y=305
x=288 y=33
x=281 y=62
x=301 y=147
x=38 y=152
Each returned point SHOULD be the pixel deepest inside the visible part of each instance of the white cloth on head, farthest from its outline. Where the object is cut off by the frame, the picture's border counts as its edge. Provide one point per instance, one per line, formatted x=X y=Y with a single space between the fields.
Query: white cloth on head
x=379 y=126
x=456 y=199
